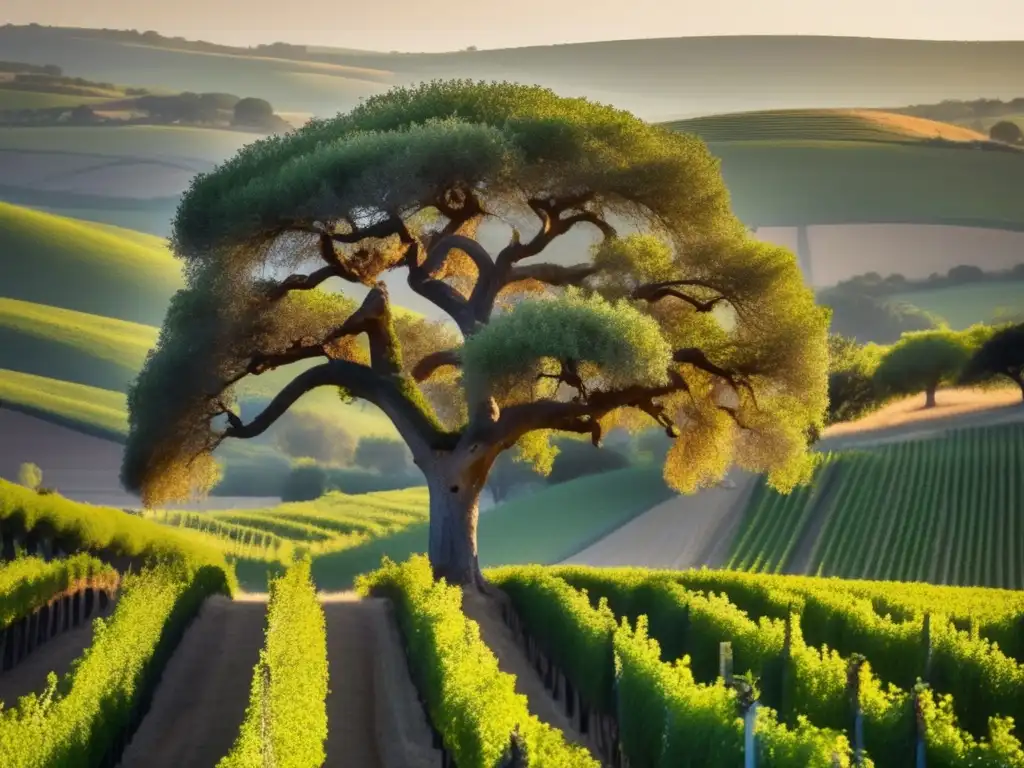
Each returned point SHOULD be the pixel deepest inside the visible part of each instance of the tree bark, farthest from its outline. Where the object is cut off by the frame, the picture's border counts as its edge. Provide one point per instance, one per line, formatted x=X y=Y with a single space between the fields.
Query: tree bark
x=454 y=513
x=929 y=395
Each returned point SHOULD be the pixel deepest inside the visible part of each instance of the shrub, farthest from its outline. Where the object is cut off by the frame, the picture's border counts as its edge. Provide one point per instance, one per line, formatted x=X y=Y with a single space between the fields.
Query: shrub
x=305 y=482
x=30 y=476
x=287 y=714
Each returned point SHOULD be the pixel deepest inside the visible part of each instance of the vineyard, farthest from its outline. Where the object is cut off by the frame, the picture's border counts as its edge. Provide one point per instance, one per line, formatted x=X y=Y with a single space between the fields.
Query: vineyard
x=945 y=511
x=570 y=667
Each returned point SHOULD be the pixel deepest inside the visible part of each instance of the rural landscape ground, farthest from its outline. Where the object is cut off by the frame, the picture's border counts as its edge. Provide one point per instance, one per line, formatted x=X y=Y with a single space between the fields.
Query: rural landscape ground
x=289 y=615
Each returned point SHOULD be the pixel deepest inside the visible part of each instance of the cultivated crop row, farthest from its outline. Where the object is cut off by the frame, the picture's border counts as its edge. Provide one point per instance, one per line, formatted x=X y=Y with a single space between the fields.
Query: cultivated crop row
x=947 y=511
x=29 y=583
x=813 y=661
x=478 y=717
x=84 y=717
x=286 y=720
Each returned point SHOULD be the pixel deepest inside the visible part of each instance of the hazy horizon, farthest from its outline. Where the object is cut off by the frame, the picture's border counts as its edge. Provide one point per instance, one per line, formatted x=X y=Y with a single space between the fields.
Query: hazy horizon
x=411 y=27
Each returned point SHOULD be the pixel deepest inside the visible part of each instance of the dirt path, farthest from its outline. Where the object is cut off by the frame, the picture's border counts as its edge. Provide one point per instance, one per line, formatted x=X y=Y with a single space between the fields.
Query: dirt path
x=201 y=699
x=683 y=532
x=512 y=659
x=56 y=655
x=351 y=739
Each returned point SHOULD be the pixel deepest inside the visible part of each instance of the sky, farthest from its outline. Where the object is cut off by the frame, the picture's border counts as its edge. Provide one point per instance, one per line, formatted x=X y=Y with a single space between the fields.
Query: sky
x=420 y=25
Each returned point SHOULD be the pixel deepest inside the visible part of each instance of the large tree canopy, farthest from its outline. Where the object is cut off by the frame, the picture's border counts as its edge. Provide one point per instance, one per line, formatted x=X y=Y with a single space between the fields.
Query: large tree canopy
x=676 y=315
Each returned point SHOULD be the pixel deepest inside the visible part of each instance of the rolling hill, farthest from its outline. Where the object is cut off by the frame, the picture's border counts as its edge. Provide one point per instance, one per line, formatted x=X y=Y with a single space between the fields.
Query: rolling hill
x=838 y=167
x=659 y=79
x=821 y=125
x=85 y=267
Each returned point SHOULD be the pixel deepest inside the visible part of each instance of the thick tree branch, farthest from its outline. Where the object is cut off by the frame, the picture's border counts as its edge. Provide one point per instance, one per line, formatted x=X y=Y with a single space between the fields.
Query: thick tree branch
x=437 y=292
x=299 y=282
x=373 y=317
x=656 y=292
x=551 y=274
x=426 y=367
x=420 y=432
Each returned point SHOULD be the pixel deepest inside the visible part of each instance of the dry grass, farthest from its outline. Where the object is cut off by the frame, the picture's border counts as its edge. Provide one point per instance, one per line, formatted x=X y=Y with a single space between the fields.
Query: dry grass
x=916 y=127
x=949 y=402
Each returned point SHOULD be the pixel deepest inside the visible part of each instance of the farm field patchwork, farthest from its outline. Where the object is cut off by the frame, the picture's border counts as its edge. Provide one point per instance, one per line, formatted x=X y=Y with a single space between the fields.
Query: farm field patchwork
x=946 y=510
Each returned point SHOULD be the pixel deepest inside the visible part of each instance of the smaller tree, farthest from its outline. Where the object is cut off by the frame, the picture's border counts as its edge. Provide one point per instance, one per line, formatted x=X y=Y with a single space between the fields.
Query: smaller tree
x=304 y=435
x=30 y=476
x=922 y=362
x=1001 y=355
x=966 y=273
x=382 y=454
x=851 y=389
x=305 y=482
x=253 y=112
x=1007 y=132
x=577 y=458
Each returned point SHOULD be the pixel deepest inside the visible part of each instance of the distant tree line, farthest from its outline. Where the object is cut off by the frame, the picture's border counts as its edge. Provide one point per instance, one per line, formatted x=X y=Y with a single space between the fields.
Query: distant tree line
x=863 y=310
x=956 y=111
x=862 y=378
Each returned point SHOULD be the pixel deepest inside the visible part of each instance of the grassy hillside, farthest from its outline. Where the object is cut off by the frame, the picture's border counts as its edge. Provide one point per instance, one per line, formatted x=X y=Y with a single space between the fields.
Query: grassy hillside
x=962 y=306
x=947 y=511
x=204 y=144
x=788 y=182
x=348 y=535
x=85 y=409
x=72 y=346
x=81 y=266
x=11 y=99
x=660 y=79
x=822 y=125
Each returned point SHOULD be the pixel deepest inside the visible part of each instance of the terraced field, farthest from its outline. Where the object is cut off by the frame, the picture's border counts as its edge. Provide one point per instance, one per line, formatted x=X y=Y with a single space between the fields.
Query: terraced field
x=946 y=511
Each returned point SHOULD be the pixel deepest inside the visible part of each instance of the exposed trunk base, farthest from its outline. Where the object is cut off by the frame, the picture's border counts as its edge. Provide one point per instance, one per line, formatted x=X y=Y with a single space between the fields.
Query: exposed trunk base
x=454 y=511
x=929 y=398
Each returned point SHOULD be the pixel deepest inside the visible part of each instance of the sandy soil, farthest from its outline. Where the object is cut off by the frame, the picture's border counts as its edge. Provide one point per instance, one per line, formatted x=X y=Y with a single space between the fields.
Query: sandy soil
x=56 y=655
x=351 y=739
x=908 y=419
x=682 y=532
x=200 y=702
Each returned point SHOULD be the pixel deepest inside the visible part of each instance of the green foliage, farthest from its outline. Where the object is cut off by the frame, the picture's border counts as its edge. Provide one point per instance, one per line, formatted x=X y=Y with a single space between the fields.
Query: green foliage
x=921 y=362
x=305 y=482
x=470 y=701
x=382 y=454
x=981 y=687
x=306 y=435
x=513 y=149
x=79 y=719
x=574 y=635
x=287 y=714
x=851 y=389
x=1007 y=132
x=29 y=583
x=1001 y=354
x=865 y=319
x=625 y=345
x=75 y=527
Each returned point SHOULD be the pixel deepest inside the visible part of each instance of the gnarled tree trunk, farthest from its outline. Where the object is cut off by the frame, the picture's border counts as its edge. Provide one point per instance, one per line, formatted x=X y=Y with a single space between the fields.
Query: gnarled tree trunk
x=454 y=512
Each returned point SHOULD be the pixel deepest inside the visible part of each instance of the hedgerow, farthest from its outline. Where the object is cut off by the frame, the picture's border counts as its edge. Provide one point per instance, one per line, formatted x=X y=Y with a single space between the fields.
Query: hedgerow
x=80 y=719
x=472 y=704
x=29 y=583
x=286 y=720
